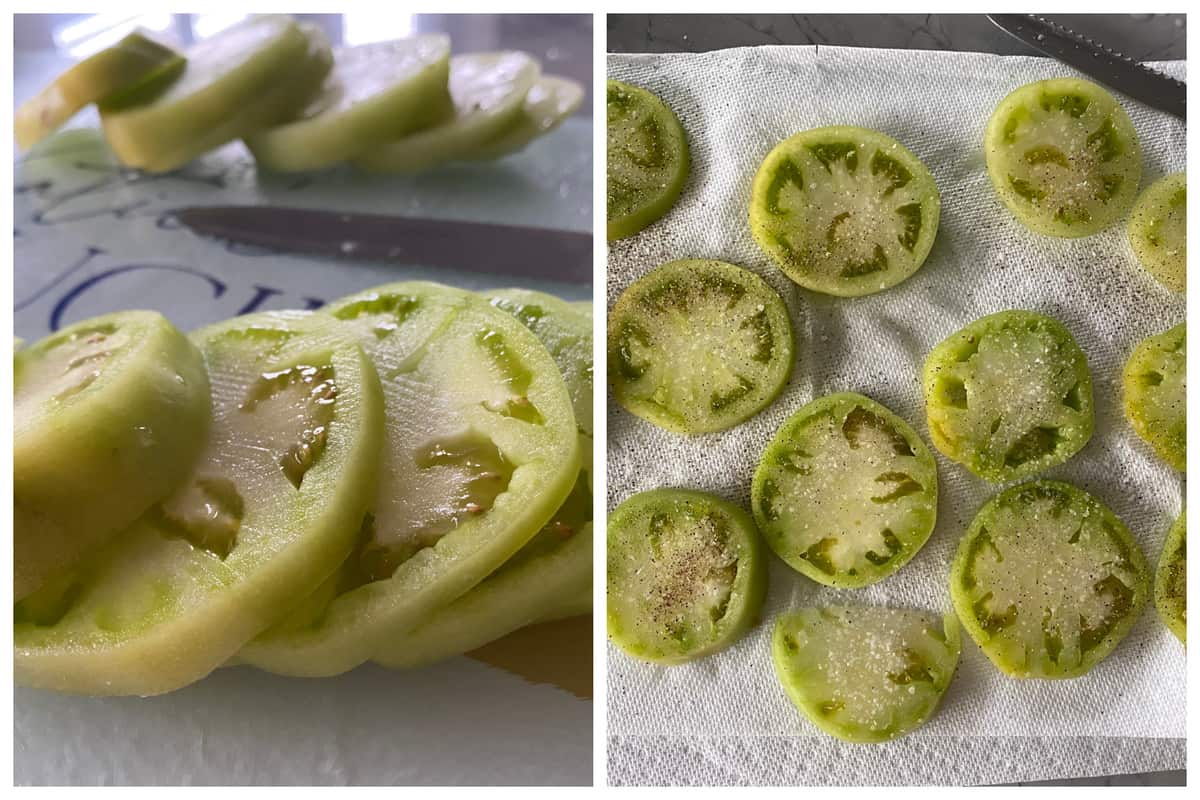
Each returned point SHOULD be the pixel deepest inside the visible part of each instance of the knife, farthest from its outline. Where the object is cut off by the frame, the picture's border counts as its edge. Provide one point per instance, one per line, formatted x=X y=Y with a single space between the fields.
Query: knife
x=507 y=250
x=1102 y=63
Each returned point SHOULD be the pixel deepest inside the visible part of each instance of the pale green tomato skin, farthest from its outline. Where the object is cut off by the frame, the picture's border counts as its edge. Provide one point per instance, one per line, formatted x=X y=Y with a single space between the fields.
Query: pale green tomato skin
x=697 y=346
x=822 y=488
x=1009 y=395
x=1170 y=580
x=1063 y=157
x=450 y=365
x=635 y=628
x=247 y=77
x=159 y=609
x=544 y=578
x=92 y=456
x=1155 y=394
x=844 y=211
x=640 y=193
x=1158 y=230
x=1027 y=536
x=376 y=92
x=805 y=641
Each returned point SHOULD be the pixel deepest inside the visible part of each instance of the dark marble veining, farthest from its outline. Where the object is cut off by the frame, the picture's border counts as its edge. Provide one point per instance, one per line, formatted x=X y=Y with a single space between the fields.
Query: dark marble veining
x=1144 y=37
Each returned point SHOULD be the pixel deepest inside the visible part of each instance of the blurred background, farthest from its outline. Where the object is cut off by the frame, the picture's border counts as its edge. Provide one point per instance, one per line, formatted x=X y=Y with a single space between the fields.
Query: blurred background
x=562 y=42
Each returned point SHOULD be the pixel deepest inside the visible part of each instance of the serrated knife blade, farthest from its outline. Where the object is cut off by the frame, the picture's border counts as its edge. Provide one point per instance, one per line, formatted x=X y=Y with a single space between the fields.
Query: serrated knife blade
x=503 y=250
x=1101 y=63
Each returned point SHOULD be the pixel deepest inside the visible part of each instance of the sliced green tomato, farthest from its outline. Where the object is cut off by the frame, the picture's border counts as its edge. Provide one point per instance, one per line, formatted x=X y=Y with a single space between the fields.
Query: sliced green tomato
x=536 y=583
x=846 y=492
x=555 y=564
x=1155 y=384
x=1063 y=156
x=578 y=603
x=687 y=575
x=698 y=346
x=1158 y=230
x=1047 y=580
x=566 y=333
x=865 y=674
x=1170 y=581
x=549 y=102
x=108 y=415
x=1009 y=395
x=648 y=159
x=481 y=449
x=375 y=93
x=131 y=71
x=272 y=506
x=254 y=74
x=488 y=91
x=844 y=211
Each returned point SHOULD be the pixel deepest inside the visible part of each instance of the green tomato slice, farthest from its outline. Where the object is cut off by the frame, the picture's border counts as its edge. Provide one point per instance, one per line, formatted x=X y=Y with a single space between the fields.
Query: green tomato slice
x=1158 y=230
x=375 y=93
x=549 y=102
x=648 y=159
x=1047 y=580
x=131 y=71
x=844 y=211
x=865 y=674
x=249 y=76
x=108 y=415
x=1170 y=580
x=556 y=563
x=846 y=492
x=1063 y=157
x=1155 y=384
x=481 y=448
x=687 y=575
x=698 y=346
x=488 y=92
x=273 y=504
x=1009 y=395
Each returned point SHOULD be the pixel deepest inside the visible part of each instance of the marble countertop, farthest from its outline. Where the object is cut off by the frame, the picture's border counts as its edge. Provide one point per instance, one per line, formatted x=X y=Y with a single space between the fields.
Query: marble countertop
x=1144 y=37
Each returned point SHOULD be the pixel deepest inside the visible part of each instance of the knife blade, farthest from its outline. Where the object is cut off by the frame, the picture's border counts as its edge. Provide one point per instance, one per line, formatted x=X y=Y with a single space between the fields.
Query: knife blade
x=506 y=250
x=1105 y=65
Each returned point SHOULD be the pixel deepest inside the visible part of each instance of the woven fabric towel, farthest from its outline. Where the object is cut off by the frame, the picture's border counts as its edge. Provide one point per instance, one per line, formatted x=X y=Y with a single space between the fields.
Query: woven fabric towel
x=725 y=719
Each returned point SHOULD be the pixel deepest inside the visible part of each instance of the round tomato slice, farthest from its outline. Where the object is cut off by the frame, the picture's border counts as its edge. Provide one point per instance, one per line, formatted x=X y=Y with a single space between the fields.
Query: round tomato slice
x=687 y=575
x=481 y=449
x=1047 y=580
x=1063 y=156
x=648 y=159
x=1158 y=230
x=846 y=492
x=108 y=415
x=698 y=346
x=132 y=70
x=1009 y=395
x=1170 y=581
x=376 y=92
x=556 y=565
x=1155 y=383
x=865 y=674
x=549 y=103
x=272 y=505
x=487 y=92
x=844 y=211
x=249 y=76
